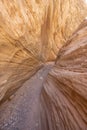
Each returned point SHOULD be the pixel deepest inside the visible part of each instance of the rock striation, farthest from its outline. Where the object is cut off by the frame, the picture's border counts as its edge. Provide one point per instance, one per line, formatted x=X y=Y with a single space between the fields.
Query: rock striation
x=31 y=33
x=64 y=95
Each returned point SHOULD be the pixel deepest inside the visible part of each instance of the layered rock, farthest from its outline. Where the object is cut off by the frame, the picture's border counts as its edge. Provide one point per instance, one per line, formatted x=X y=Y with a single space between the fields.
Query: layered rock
x=31 y=32
x=55 y=98
x=64 y=95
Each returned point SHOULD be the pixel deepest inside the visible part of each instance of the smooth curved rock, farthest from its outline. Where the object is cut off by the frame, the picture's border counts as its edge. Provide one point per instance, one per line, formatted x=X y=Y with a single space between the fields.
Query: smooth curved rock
x=57 y=101
x=64 y=96
x=31 y=32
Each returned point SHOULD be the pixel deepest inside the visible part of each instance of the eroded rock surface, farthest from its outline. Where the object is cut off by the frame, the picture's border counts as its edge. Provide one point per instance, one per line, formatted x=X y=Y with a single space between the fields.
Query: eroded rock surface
x=31 y=32
x=56 y=97
x=64 y=96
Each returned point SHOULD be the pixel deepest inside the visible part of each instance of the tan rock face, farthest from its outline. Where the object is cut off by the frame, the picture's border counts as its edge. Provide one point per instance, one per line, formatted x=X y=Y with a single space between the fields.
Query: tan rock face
x=55 y=98
x=64 y=95
x=31 y=32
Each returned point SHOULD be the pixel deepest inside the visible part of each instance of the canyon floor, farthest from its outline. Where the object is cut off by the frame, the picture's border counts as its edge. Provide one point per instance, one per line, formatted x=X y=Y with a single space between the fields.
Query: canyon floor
x=21 y=112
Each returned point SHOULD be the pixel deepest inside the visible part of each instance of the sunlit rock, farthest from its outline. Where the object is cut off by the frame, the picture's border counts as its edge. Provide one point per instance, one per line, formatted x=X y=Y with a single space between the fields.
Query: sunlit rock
x=31 y=33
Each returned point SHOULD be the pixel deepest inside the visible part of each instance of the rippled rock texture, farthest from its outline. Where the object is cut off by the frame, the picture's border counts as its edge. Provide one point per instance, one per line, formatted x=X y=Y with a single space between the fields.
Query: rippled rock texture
x=64 y=95
x=31 y=34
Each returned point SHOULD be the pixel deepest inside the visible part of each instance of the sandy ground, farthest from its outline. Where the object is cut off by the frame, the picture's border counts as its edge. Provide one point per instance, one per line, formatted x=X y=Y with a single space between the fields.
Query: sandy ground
x=22 y=111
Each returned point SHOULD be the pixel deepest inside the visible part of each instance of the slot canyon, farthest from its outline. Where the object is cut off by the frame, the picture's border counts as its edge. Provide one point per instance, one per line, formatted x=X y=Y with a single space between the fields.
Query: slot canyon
x=43 y=65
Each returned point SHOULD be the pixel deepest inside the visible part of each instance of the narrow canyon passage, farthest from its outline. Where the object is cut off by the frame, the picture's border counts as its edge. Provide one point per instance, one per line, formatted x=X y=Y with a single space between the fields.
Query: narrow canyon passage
x=23 y=111
x=35 y=93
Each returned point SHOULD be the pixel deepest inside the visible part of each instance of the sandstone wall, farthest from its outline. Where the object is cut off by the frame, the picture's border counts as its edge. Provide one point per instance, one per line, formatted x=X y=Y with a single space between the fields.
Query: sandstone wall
x=64 y=95
x=31 y=33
